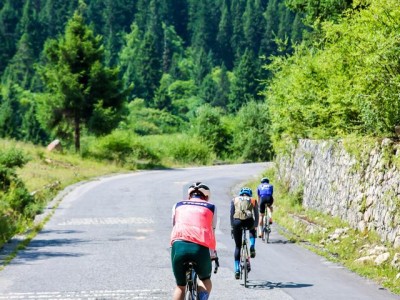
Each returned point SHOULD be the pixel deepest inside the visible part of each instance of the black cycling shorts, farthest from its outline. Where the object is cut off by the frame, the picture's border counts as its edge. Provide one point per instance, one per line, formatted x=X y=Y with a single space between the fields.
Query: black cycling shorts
x=265 y=200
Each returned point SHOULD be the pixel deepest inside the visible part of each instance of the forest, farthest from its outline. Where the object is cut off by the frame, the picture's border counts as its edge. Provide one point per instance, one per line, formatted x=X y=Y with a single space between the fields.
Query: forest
x=236 y=77
x=132 y=71
x=197 y=82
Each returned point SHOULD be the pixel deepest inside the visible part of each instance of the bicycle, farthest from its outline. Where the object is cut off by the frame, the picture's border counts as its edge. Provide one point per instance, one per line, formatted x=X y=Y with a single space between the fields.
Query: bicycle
x=244 y=258
x=266 y=230
x=191 y=289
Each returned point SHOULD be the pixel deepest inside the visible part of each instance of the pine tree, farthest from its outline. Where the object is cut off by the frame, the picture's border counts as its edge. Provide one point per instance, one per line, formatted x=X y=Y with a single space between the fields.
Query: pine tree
x=10 y=117
x=254 y=25
x=245 y=85
x=9 y=17
x=223 y=90
x=83 y=91
x=204 y=18
x=237 y=41
x=172 y=48
x=177 y=11
x=225 y=52
x=129 y=60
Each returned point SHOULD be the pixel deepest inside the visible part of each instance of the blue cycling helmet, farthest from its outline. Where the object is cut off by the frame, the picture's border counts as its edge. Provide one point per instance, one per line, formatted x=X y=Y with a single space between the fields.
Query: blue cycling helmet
x=246 y=191
x=265 y=180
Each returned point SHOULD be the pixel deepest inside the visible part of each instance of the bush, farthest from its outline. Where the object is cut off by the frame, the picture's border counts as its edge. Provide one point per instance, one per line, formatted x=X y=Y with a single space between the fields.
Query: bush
x=252 y=140
x=121 y=147
x=209 y=128
x=191 y=151
x=15 y=201
x=180 y=149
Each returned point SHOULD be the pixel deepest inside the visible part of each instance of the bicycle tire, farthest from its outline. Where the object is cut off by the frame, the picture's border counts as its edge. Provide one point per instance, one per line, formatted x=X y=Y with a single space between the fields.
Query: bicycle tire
x=267 y=232
x=245 y=270
x=188 y=293
x=267 y=227
x=191 y=286
x=194 y=285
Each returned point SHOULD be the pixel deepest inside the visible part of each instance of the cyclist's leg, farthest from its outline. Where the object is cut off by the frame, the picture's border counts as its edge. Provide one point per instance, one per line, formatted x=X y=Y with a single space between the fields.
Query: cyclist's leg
x=261 y=219
x=249 y=223
x=237 y=236
x=178 y=257
x=203 y=268
x=270 y=208
x=205 y=287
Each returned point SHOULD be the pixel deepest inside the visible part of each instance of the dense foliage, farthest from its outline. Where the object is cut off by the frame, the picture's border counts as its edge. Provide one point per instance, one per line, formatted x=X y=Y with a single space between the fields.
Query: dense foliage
x=346 y=83
x=75 y=68
x=15 y=201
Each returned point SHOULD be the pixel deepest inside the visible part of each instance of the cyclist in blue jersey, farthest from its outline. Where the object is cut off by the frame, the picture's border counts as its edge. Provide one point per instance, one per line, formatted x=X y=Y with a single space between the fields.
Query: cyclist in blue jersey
x=265 y=192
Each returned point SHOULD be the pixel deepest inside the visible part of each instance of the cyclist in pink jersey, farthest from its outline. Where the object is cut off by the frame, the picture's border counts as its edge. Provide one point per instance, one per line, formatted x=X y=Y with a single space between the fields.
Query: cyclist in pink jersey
x=193 y=239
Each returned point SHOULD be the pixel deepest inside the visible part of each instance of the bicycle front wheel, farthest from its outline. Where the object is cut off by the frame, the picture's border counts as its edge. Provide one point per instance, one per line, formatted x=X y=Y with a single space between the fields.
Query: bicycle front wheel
x=245 y=267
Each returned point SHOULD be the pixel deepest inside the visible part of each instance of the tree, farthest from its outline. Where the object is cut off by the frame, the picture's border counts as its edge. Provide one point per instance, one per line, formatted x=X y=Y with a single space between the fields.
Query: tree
x=238 y=44
x=9 y=16
x=253 y=24
x=245 y=85
x=252 y=138
x=320 y=10
x=211 y=130
x=10 y=111
x=225 y=52
x=129 y=57
x=80 y=89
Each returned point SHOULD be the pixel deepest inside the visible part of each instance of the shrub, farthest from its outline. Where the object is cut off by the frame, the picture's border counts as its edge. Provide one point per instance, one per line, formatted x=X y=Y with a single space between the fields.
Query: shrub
x=121 y=147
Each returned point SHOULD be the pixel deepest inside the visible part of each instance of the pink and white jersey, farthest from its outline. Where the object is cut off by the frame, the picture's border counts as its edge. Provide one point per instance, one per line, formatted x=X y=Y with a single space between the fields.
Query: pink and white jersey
x=194 y=221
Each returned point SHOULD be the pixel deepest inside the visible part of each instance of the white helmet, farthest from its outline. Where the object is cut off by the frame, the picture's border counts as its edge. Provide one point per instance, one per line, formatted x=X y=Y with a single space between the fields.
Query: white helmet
x=200 y=188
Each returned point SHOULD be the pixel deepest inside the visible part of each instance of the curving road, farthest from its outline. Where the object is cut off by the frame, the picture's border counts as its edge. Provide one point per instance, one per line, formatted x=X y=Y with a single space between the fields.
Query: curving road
x=109 y=239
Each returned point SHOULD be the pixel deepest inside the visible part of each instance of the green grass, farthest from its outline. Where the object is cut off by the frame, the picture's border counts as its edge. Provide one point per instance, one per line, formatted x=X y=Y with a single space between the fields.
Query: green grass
x=56 y=170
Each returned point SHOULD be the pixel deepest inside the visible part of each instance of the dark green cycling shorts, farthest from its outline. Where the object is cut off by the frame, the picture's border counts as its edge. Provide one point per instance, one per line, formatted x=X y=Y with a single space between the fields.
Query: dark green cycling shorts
x=182 y=252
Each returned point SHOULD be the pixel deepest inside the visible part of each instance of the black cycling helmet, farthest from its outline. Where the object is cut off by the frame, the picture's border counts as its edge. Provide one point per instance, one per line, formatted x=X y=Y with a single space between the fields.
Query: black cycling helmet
x=264 y=180
x=199 y=188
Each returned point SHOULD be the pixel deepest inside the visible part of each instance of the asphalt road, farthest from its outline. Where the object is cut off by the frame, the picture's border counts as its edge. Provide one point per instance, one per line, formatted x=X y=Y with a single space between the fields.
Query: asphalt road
x=109 y=239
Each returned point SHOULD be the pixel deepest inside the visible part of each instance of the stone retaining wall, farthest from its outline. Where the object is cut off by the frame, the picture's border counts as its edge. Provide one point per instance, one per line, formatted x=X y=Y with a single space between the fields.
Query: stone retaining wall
x=365 y=193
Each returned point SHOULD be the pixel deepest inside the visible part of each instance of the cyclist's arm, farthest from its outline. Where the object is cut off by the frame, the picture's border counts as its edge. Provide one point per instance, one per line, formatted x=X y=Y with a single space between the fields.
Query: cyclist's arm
x=232 y=212
x=173 y=215
x=215 y=219
x=256 y=212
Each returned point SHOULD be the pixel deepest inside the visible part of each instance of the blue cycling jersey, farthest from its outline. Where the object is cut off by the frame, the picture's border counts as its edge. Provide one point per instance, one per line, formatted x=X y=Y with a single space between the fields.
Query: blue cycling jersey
x=265 y=189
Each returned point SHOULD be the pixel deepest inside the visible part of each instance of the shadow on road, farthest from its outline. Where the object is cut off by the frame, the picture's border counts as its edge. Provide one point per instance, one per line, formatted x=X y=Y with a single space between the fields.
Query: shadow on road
x=39 y=248
x=268 y=285
x=279 y=241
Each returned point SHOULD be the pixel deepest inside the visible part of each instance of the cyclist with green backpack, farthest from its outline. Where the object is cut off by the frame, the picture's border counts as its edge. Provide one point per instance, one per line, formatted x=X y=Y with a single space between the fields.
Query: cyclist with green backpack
x=243 y=214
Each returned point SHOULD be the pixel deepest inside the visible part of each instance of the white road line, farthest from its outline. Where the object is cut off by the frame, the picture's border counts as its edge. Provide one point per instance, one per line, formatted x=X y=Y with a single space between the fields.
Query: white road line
x=86 y=295
x=106 y=221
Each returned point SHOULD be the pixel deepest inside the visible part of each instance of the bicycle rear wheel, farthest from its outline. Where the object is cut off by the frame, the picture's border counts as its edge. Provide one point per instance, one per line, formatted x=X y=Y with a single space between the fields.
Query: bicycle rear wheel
x=267 y=231
x=188 y=291
x=191 y=287
x=264 y=236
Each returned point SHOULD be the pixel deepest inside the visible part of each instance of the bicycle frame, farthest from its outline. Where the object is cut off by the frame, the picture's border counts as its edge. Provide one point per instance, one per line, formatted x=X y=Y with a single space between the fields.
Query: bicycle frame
x=244 y=258
x=266 y=228
x=191 y=283
x=191 y=289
